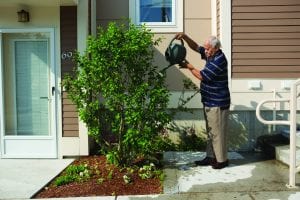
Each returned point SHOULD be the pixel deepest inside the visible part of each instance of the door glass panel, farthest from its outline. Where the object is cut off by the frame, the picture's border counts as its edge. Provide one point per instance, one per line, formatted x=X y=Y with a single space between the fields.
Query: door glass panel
x=26 y=84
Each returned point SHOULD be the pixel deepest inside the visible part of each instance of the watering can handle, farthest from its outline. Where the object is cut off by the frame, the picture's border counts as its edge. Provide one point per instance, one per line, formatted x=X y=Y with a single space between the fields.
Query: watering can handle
x=181 y=40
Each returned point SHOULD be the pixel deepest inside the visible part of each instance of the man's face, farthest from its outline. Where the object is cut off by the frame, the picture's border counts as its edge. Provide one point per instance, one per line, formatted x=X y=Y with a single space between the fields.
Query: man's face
x=209 y=50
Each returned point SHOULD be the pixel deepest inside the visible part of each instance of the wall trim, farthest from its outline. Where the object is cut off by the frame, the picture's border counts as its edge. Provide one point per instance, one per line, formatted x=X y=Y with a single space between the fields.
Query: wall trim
x=214 y=17
x=225 y=33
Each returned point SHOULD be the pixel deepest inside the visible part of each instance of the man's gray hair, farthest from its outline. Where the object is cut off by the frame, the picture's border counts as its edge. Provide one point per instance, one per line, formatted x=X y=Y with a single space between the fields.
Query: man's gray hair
x=214 y=42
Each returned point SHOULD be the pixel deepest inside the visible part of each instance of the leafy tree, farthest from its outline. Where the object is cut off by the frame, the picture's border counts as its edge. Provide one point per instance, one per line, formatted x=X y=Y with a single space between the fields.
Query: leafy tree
x=120 y=94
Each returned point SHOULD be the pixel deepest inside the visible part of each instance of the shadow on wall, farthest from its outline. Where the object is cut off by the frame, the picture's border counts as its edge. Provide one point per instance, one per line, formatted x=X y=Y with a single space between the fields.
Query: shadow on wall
x=186 y=130
x=175 y=76
x=238 y=135
x=245 y=128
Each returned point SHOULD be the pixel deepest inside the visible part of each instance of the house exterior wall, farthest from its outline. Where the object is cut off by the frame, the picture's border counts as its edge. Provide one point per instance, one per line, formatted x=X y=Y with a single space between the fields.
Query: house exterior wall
x=40 y=17
x=246 y=92
x=265 y=39
x=46 y=14
x=201 y=19
x=68 y=43
x=76 y=145
x=197 y=23
x=261 y=80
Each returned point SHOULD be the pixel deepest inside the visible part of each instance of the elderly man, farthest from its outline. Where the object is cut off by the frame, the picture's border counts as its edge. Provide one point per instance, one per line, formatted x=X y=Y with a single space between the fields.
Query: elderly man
x=215 y=97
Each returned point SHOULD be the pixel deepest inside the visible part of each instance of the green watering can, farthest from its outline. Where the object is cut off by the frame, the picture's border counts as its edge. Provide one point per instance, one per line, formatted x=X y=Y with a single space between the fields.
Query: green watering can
x=175 y=53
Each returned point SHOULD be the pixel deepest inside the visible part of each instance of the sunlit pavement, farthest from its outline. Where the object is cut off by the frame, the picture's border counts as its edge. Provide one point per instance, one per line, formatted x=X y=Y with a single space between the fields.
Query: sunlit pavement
x=248 y=177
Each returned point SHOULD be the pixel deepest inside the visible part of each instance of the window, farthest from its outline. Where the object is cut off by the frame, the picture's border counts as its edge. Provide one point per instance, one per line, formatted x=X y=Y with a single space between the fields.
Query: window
x=158 y=15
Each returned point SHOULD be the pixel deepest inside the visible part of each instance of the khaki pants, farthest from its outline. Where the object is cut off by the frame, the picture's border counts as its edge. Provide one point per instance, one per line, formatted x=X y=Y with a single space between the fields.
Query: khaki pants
x=216 y=128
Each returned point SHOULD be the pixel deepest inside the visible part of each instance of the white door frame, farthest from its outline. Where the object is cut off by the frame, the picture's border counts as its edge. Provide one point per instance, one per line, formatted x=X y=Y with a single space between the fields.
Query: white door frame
x=33 y=141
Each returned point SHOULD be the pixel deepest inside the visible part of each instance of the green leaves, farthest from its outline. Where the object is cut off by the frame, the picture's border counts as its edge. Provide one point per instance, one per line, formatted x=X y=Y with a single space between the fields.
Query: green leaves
x=73 y=173
x=119 y=93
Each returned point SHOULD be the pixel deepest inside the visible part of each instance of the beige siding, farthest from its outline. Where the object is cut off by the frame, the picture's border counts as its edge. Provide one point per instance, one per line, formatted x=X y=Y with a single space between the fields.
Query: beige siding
x=68 y=34
x=197 y=24
x=112 y=10
x=265 y=39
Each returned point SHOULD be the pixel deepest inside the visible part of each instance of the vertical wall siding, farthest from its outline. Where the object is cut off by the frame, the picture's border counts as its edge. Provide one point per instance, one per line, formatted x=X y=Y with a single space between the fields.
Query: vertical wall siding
x=68 y=34
x=265 y=39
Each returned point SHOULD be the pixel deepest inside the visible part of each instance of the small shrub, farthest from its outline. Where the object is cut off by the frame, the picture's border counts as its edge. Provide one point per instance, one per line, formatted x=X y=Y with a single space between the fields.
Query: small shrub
x=189 y=141
x=119 y=92
x=63 y=180
x=73 y=173
x=149 y=171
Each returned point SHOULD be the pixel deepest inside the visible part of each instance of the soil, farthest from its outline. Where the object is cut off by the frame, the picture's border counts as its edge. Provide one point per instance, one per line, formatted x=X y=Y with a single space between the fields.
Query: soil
x=111 y=184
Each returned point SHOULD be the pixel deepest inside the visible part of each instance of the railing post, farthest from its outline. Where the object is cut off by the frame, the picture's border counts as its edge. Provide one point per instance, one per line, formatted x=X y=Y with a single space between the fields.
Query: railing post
x=262 y=120
x=293 y=129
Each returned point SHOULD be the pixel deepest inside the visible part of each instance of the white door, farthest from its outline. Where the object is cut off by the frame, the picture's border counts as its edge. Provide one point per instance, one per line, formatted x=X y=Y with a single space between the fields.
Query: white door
x=28 y=100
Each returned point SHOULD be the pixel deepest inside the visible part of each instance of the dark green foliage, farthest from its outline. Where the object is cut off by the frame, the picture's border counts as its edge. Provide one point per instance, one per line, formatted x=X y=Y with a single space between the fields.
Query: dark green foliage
x=119 y=93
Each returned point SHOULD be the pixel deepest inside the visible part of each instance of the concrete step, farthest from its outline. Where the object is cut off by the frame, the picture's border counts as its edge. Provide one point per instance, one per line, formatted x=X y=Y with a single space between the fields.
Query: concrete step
x=268 y=143
x=276 y=146
x=283 y=154
x=286 y=133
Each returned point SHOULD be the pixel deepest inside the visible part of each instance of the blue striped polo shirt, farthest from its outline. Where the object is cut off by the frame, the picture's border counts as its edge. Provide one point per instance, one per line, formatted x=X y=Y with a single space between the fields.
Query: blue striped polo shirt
x=214 y=86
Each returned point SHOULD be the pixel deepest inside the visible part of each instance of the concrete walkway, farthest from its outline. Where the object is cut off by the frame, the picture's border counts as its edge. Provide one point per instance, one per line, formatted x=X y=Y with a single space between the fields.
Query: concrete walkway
x=22 y=178
x=248 y=177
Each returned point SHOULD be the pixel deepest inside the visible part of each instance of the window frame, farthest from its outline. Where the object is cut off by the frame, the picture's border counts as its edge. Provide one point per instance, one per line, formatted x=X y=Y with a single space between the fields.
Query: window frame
x=157 y=27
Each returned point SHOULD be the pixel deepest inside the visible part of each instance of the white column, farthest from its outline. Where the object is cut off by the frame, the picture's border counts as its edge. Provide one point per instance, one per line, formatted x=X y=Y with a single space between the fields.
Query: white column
x=214 y=17
x=82 y=35
x=225 y=32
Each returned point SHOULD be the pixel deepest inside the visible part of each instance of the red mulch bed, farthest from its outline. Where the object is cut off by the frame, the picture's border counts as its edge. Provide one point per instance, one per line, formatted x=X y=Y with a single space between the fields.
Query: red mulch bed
x=109 y=187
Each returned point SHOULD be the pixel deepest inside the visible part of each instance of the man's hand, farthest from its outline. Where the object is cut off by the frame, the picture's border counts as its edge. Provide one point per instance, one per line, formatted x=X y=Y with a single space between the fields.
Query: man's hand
x=179 y=36
x=192 y=44
x=183 y=64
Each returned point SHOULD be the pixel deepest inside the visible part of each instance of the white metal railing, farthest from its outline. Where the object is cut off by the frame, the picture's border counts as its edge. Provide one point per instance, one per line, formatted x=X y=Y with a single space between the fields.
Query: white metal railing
x=293 y=128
